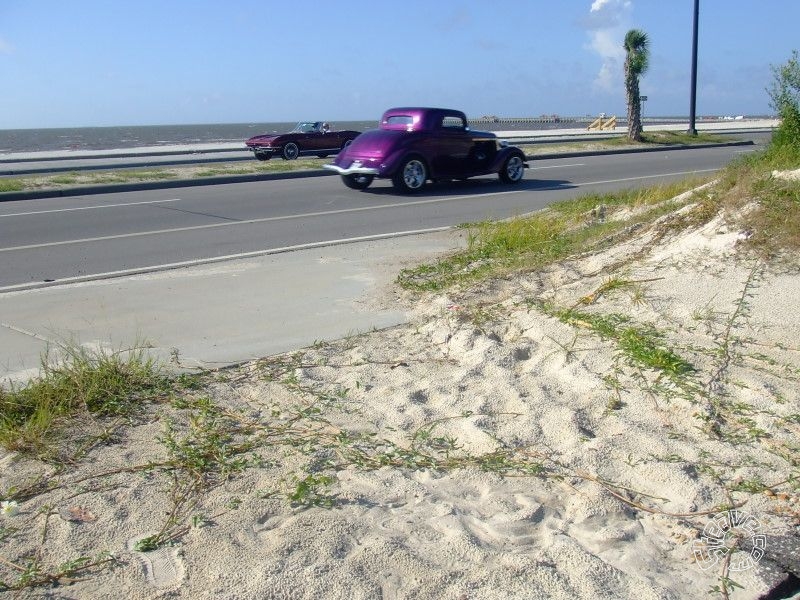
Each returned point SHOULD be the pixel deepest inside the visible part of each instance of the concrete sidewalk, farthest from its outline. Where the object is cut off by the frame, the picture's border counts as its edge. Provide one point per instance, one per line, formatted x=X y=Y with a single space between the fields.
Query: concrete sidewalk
x=219 y=314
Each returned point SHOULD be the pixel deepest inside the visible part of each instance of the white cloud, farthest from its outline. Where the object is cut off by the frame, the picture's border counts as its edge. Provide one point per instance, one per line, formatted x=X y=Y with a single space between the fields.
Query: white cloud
x=5 y=47
x=607 y=23
x=614 y=5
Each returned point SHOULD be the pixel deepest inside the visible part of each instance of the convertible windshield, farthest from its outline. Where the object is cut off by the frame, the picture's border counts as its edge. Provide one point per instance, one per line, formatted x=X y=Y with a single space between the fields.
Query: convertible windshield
x=306 y=127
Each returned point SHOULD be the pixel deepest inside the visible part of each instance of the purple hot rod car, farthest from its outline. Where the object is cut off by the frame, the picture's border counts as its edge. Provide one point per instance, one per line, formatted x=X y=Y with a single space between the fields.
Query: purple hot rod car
x=414 y=145
x=315 y=138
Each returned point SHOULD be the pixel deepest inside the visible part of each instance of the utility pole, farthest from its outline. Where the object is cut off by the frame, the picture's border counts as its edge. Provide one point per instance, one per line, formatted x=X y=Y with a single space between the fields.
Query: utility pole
x=693 y=93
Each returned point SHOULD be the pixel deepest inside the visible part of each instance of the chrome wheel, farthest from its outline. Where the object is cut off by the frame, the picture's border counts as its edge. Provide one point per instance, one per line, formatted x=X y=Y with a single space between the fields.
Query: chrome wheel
x=291 y=151
x=411 y=176
x=513 y=169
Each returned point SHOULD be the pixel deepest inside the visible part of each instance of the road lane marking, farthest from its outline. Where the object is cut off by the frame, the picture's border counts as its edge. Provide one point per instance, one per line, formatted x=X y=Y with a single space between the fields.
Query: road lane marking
x=214 y=259
x=624 y=179
x=58 y=210
x=557 y=166
x=325 y=213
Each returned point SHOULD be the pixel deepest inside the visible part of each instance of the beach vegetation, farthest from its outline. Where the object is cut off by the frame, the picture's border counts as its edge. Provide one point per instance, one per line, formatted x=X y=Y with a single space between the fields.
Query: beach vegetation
x=784 y=93
x=643 y=345
x=80 y=382
x=312 y=490
x=32 y=573
x=564 y=229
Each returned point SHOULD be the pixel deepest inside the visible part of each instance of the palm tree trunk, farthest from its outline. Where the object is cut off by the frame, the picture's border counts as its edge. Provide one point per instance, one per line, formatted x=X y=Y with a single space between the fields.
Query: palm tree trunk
x=636 y=62
x=634 y=106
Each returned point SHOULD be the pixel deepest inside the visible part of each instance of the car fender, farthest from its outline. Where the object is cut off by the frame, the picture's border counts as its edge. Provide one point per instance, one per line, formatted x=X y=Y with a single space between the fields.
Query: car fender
x=396 y=158
x=503 y=154
x=279 y=141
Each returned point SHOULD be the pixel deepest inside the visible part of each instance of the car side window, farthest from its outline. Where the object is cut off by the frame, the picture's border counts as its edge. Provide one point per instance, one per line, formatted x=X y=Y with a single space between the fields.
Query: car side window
x=400 y=122
x=453 y=123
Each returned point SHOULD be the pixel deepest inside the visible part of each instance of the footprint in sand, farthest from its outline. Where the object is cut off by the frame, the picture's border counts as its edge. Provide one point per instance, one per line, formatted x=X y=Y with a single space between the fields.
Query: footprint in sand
x=163 y=567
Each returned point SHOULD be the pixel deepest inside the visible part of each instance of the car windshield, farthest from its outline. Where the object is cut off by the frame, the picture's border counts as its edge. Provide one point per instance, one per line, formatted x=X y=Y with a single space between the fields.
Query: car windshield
x=306 y=127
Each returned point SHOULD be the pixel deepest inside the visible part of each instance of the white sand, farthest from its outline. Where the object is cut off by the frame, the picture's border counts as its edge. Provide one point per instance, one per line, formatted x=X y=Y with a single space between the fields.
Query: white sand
x=501 y=376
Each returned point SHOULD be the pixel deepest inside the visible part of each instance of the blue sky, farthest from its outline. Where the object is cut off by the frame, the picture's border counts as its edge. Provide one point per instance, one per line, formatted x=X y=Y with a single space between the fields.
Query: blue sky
x=120 y=62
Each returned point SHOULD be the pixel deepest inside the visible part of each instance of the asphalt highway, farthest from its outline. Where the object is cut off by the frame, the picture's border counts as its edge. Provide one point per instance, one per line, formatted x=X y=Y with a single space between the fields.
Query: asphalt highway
x=59 y=240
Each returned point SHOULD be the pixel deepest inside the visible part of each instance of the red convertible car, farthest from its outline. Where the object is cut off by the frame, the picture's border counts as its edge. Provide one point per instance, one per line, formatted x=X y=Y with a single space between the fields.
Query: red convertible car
x=307 y=138
x=414 y=145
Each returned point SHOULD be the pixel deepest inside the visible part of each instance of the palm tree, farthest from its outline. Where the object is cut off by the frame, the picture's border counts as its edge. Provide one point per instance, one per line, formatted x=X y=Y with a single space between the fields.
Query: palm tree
x=637 y=60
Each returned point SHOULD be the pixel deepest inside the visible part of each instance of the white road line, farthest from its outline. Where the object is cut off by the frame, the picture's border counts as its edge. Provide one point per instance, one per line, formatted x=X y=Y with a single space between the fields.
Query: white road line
x=216 y=259
x=323 y=213
x=644 y=177
x=58 y=210
x=557 y=166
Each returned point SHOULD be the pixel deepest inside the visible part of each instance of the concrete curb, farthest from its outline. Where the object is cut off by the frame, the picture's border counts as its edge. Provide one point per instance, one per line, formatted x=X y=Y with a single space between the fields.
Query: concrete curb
x=228 y=179
x=158 y=185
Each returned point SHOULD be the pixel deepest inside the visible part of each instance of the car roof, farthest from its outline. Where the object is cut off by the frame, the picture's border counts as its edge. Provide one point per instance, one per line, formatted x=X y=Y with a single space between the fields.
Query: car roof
x=420 y=117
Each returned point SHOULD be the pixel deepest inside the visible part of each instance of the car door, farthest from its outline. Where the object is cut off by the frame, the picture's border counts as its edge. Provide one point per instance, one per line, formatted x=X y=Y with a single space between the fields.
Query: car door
x=451 y=148
x=315 y=139
x=335 y=139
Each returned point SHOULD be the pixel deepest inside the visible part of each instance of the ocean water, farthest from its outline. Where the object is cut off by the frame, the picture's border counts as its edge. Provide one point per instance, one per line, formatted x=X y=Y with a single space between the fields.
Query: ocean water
x=107 y=138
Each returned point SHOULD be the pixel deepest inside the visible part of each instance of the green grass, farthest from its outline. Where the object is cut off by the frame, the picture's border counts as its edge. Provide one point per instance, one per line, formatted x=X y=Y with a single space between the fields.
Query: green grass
x=525 y=243
x=776 y=222
x=70 y=179
x=97 y=383
x=18 y=184
x=642 y=345
x=772 y=215
x=11 y=185
x=653 y=138
x=224 y=171
x=681 y=138
x=254 y=168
